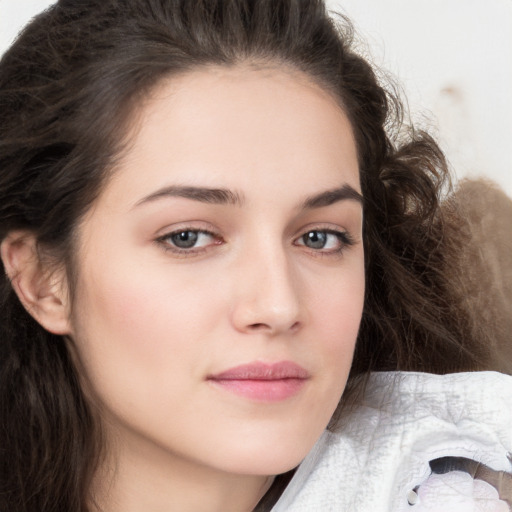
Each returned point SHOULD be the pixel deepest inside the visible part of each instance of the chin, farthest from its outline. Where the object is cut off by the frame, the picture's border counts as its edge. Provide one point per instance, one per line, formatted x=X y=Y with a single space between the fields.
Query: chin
x=273 y=458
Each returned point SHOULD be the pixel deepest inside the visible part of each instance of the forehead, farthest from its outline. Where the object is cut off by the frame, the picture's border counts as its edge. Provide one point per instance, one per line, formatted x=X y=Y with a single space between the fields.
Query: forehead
x=230 y=126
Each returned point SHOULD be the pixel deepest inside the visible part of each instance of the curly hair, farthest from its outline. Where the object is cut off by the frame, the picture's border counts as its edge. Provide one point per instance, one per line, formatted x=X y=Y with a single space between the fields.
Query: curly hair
x=68 y=87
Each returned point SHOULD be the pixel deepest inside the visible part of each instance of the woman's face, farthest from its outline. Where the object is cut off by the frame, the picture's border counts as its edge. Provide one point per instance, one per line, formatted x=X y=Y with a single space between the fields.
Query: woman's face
x=221 y=272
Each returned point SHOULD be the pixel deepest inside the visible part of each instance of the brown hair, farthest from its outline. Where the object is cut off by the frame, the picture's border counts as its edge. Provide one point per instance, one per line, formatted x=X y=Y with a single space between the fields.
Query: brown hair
x=67 y=88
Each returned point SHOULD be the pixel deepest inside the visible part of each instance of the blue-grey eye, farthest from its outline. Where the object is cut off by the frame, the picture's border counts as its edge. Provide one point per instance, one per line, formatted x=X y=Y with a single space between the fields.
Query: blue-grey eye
x=185 y=239
x=316 y=239
x=188 y=240
x=325 y=240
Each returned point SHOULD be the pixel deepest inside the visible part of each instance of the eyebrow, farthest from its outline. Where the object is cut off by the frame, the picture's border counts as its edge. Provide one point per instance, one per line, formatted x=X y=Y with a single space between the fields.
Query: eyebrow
x=332 y=196
x=226 y=196
x=201 y=194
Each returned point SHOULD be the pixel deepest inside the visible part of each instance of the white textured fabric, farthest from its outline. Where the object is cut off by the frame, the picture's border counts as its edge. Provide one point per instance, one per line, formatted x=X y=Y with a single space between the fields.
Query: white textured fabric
x=382 y=450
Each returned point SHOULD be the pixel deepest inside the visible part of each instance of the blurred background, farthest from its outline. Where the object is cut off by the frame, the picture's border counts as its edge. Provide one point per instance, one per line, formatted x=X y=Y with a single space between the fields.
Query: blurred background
x=452 y=57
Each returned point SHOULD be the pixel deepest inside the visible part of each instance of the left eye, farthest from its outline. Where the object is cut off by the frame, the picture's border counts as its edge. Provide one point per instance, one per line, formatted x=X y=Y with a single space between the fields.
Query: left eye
x=322 y=239
x=189 y=239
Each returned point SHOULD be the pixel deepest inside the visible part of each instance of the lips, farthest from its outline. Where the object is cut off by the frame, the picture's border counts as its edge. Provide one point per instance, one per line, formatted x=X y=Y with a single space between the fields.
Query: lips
x=263 y=382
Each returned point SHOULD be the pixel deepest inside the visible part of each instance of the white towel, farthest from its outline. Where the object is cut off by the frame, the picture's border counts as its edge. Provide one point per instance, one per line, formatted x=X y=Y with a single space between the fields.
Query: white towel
x=382 y=451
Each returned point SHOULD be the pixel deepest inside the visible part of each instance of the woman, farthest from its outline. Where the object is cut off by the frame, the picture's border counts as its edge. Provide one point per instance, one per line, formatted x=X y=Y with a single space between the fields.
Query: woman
x=208 y=236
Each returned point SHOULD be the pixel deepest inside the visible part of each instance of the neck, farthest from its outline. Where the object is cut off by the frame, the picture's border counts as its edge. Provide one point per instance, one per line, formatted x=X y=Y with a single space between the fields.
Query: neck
x=146 y=478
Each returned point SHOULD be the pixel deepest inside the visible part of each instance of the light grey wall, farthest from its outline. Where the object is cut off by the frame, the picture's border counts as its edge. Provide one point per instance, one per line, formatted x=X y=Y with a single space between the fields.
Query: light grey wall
x=454 y=58
x=14 y=14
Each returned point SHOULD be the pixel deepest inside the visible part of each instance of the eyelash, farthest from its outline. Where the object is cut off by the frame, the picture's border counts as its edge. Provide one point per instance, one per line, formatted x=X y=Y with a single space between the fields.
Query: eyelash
x=345 y=240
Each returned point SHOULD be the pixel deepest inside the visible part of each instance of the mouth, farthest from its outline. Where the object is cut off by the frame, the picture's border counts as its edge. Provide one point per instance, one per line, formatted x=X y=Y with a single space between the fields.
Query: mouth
x=263 y=382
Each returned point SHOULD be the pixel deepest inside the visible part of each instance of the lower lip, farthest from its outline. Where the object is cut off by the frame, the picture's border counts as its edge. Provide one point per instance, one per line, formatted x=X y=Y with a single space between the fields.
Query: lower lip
x=262 y=390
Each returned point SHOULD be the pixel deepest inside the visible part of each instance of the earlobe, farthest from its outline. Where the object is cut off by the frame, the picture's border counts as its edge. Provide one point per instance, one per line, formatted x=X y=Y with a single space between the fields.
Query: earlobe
x=42 y=292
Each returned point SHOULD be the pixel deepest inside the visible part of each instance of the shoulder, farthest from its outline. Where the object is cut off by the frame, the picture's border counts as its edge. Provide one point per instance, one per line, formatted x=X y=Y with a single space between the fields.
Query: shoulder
x=383 y=448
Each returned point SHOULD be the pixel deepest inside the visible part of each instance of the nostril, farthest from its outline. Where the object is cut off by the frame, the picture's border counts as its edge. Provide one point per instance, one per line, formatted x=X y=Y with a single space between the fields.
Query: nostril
x=259 y=326
x=295 y=326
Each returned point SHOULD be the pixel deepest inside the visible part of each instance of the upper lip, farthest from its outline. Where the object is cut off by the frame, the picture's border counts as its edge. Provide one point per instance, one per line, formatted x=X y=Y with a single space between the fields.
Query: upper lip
x=263 y=371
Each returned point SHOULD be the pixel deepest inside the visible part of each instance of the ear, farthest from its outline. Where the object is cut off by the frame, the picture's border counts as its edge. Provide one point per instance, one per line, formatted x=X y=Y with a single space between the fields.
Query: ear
x=43 y=293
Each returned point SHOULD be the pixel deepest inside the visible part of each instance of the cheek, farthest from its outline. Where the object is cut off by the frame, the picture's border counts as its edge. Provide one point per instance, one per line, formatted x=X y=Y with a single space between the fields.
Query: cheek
x=335 y=315
x=338 y=308
x=139 y=329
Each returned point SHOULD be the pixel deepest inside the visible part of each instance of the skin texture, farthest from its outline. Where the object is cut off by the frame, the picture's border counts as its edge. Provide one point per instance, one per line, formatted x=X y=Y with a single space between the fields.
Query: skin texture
x=150 y=323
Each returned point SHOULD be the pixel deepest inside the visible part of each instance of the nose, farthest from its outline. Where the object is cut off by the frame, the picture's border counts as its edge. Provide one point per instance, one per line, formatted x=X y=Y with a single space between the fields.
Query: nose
x=267 y=296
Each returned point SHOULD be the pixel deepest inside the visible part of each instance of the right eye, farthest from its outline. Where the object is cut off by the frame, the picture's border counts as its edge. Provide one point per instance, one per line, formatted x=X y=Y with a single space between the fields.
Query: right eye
x=188 y=240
